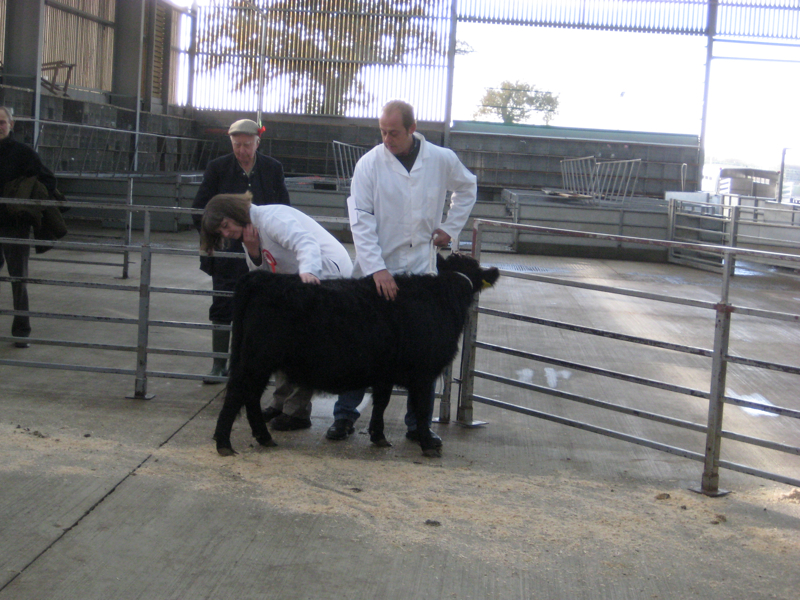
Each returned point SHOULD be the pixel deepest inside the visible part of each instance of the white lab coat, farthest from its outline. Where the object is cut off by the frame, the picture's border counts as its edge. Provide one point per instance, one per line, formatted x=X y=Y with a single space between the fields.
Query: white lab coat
x=393 y=213
x=293 y=242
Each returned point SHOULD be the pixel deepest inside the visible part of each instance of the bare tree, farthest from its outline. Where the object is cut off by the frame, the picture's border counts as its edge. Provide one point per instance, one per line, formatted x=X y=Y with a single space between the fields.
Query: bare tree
x=321 y=45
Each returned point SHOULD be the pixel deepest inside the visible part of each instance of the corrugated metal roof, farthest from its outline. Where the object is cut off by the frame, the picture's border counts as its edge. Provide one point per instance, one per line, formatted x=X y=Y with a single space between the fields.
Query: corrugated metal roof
x=740 y=18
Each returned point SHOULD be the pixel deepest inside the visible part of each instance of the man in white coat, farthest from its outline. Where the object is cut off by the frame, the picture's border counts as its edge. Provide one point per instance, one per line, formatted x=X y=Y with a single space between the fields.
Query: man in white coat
x=396 y=204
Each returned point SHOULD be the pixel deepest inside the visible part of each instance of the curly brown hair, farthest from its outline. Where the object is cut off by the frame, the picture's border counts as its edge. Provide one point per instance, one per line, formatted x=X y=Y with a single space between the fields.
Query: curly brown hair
x=223 y=206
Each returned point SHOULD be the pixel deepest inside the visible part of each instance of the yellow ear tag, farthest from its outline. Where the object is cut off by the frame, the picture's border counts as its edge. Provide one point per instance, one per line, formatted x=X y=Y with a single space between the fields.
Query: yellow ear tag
x=485 y=285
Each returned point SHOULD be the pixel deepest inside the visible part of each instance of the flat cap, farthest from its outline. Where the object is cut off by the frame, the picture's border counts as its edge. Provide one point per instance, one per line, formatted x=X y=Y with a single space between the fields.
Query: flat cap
x=245 y=126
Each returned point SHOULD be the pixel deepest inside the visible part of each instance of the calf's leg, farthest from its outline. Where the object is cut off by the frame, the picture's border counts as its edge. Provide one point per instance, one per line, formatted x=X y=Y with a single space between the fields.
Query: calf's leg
x=380 y=400
x=227 y=415
x=255 y=418
x=421 y=399
x=244 y=389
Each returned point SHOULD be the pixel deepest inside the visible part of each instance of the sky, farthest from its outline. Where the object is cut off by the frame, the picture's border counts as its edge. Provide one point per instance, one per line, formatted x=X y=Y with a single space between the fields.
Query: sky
x=642 y=82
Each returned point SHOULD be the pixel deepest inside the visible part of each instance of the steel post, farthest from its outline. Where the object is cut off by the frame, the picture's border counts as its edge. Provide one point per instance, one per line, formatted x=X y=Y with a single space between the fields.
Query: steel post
x=719 y=368
x=464 y=411
x=140 y=392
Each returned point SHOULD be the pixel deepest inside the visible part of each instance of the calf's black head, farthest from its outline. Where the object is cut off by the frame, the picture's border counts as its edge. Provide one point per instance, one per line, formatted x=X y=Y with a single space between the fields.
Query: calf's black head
x=466 y=265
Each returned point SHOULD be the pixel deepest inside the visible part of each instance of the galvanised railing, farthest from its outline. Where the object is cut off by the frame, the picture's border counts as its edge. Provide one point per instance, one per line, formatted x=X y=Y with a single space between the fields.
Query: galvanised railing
x=721 y=311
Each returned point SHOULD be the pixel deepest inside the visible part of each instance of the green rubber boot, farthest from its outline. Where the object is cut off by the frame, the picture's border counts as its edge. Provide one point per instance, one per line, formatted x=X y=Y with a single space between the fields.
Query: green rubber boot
x=220 y=340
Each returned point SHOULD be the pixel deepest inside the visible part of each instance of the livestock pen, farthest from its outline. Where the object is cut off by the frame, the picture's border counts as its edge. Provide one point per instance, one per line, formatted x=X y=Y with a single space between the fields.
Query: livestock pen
x=699 y=390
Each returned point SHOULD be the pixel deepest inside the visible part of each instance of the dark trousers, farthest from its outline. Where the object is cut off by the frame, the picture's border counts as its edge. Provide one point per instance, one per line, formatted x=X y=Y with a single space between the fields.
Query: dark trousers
x=16 y=255
x=227 y=272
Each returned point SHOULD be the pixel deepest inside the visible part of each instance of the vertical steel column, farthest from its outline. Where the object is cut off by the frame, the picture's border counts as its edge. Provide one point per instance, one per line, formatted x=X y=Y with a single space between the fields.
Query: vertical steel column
x=262 y=66
x=126 y=256
x=673 y=215
x=262 y=58
x=733 y=222
x=140 y=392
x=37 y=90
x=719 y=368
x=515 y=218
x=192 y=58
x=711 y=32
x=178 y=192
x=451 y=66
x=139 y=91
x=464 y=411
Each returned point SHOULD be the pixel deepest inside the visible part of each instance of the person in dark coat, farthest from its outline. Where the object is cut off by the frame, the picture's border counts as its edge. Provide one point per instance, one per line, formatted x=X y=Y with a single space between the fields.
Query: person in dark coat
x=18 y=161
x=244 y=170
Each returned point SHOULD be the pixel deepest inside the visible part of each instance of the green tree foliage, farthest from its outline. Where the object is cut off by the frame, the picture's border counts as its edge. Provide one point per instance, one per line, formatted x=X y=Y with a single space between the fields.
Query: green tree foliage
x=515 y=102
x=321 y=45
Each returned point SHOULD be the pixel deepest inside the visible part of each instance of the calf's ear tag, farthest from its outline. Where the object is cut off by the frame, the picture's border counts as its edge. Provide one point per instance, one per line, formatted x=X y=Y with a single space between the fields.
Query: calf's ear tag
x=485 y=285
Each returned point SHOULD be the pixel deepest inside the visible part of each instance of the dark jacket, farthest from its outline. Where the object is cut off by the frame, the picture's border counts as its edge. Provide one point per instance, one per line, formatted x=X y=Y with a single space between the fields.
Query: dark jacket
x=224 y=176
x=18 y=160
x=47 y=222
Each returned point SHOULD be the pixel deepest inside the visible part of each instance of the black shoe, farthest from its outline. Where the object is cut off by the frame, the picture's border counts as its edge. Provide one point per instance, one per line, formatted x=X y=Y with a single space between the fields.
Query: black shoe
x=270 y=413
x=413 y=435
x=340 y=429
x=286 y=423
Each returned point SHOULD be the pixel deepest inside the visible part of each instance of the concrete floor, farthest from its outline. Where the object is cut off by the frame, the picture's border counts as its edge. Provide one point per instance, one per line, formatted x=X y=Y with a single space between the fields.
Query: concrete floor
x=104 y=497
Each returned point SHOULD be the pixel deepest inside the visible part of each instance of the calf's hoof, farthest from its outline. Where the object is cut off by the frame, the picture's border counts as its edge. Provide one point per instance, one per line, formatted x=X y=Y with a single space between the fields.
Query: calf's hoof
x=224 y=447
x=267 y=442
x=379 y=440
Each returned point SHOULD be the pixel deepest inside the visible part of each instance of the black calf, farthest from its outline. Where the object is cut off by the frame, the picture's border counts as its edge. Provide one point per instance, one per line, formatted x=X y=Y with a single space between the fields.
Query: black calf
x=341 y=335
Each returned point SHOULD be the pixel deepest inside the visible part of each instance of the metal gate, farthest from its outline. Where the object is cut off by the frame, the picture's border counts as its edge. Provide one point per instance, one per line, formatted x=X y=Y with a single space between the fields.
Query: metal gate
x=734 y=221
x=143 y=322
x=717 y=358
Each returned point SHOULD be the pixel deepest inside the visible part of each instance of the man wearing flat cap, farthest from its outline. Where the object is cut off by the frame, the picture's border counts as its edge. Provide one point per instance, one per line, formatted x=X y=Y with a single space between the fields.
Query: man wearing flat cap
x=244 y=170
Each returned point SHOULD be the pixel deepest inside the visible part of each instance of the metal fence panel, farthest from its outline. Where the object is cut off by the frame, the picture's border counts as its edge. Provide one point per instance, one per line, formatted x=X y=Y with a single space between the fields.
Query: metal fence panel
x=720 y=355
x=345 y=157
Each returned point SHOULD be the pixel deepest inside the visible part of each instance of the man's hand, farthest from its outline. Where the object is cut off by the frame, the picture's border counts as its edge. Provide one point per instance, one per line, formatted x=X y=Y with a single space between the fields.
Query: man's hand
x=440 y=238
x=251 y=243
x=309 y=278
x=385 y=283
